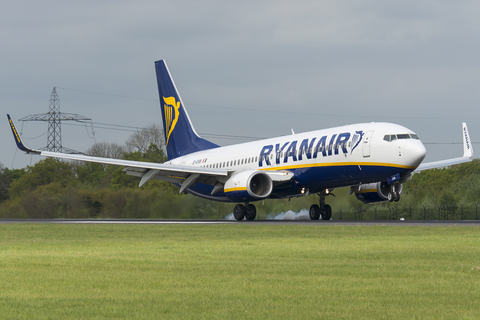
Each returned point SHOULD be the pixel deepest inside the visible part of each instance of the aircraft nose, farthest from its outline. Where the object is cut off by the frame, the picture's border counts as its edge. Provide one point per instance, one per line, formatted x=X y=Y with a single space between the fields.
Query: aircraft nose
x=416 y=153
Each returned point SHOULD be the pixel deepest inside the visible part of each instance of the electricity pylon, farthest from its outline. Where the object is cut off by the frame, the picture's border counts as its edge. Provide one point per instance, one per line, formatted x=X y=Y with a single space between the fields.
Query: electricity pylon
x=54 y=118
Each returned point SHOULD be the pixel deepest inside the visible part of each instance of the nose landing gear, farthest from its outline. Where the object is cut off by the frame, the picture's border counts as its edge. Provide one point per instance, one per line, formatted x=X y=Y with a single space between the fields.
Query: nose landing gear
x=393 y=195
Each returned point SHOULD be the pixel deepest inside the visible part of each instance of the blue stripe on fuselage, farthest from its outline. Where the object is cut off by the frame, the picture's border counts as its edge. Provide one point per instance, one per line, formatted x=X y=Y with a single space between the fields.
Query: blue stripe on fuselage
x=317 y=178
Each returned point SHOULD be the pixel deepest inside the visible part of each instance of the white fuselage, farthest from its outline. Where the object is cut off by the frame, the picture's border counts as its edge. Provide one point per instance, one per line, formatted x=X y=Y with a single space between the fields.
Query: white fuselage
x=329 y=158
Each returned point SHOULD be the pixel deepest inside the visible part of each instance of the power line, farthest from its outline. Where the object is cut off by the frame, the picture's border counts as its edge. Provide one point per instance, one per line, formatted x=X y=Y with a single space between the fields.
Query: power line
x=35 y=137
x=107 y=126
x=204 y=134
x=276 y=111
x=108 y=94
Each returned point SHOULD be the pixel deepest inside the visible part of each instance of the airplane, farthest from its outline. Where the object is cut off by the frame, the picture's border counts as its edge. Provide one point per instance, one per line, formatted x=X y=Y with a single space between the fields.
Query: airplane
x=373 y=159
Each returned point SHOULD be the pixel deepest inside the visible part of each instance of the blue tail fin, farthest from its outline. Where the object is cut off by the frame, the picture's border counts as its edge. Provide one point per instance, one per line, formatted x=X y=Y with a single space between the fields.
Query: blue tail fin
x=180 y=136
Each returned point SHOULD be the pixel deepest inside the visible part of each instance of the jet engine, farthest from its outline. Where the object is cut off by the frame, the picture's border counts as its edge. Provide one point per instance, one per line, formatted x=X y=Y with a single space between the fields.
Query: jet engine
x=250 y=185
x=377 y=192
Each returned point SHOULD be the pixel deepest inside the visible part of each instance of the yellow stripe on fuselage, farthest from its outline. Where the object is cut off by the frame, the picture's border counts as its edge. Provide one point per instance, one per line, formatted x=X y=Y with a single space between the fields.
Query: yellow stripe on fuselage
x=338 y=164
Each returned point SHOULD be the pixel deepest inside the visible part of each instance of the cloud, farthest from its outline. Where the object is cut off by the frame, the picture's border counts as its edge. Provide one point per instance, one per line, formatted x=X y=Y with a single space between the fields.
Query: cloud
x=357 y=60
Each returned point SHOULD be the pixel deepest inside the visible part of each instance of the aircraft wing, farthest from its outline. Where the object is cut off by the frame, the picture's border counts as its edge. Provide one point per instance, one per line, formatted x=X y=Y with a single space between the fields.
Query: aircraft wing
x=185 y=176
x=467 y=154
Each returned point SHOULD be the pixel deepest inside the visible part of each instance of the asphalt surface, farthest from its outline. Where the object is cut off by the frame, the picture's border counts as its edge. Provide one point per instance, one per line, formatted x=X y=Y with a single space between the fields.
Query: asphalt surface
x=409 y=223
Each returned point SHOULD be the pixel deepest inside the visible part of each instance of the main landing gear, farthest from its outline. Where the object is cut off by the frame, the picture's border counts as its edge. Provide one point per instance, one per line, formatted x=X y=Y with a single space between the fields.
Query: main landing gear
x=244 y=211
x=322 y=209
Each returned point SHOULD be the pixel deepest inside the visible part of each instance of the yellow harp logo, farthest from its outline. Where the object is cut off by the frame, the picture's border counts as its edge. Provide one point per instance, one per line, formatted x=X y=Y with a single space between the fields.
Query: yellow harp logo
x=171 y=115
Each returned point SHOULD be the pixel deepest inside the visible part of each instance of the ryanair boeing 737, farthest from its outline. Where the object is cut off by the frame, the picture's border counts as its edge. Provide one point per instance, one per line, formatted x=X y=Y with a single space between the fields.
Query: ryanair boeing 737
x=373 y=159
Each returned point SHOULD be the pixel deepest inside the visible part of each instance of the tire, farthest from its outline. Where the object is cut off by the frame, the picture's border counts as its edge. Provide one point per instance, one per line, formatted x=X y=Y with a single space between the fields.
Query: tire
x=239 y=212
x=327 y=212
x=314 y=212
x=250 y=212
x=396 y=198
x=390 y=196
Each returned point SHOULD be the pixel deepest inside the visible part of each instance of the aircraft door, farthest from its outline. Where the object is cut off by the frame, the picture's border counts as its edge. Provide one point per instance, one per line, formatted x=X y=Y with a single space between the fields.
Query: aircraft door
x=366 y=144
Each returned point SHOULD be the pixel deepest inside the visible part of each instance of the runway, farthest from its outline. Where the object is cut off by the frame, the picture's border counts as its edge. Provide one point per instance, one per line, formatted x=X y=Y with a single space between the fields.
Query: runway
x=396 y=223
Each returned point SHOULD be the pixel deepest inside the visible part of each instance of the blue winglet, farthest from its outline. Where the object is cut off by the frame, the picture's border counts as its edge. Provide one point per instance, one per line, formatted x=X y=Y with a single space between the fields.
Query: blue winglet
x=18 y=140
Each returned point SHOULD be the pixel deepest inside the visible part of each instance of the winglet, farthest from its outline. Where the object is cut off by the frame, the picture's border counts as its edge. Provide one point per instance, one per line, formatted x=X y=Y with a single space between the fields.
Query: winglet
x=467 y=143
x=18 y=140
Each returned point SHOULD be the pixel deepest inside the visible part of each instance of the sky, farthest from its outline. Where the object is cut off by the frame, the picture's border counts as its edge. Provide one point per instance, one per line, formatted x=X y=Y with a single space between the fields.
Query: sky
x=244 y=69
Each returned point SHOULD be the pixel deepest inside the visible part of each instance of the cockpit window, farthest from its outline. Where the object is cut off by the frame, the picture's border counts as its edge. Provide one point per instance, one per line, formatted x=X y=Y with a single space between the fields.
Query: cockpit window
x=390 y=137
x=403 y=136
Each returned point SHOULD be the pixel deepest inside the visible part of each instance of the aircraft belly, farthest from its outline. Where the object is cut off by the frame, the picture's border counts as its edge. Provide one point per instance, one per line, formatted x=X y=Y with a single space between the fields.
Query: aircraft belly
x=319 y=178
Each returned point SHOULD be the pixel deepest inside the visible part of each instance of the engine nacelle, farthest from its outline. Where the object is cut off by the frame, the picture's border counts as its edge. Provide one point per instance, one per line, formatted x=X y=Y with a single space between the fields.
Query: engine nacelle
x=248 y=185
x=376 y=192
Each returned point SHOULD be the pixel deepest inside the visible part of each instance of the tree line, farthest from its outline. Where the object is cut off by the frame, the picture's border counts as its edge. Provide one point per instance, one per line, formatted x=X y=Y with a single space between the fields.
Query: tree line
x=59 y=189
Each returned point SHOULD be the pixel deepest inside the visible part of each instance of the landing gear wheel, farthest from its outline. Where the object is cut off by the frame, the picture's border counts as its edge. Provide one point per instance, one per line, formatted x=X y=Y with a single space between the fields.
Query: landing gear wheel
x=239 y=212
x=396 y=197
x=314 y=212
x=250 y=212
x=390 y=196
x=327 y=212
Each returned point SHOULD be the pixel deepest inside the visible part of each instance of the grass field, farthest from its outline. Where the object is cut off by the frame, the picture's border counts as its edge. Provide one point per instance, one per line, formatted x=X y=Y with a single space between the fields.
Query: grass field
x=238 y=271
